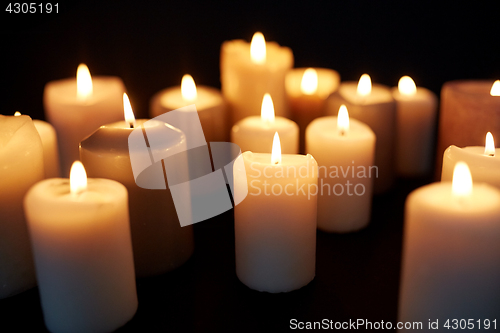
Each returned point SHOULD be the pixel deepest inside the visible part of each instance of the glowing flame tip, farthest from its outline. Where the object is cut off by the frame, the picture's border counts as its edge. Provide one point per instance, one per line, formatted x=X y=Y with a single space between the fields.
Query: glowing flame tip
x=267 y=109
x=77 y=178
x=309 y=83
x=489 y=147
x=188 y=88
x=128 y=112
x=84 y=85
x=406 y=86
x=258 y=48
x=276 y=150
x=461 y=185
x=364 y=85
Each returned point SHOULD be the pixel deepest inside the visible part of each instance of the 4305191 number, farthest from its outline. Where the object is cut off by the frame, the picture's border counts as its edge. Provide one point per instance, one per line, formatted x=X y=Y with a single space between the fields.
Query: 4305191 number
x=32 y=8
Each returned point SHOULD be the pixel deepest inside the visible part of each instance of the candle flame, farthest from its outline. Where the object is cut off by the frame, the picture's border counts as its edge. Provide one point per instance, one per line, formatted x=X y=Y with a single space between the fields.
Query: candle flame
x=364 y=85
x=309 y=83
x=406 y=86
x=343 y=120
x=128 y=112
x=461 y=185
x=17 y=114
x=276 y=151
x=77 y=178
x=489 y=147
x=267 y=109
x=495 y=88
x=188 y=88
x=83 y=82
x=258 y=48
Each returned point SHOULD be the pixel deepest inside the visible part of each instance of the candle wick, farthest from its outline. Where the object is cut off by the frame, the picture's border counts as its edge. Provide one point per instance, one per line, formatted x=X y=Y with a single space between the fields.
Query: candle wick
x=342 y=132
x=492 y=155
x=131 y=125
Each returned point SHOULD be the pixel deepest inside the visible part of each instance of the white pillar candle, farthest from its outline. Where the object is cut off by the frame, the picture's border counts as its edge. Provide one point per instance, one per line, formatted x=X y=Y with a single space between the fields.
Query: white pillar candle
x=484 y=162
x=255 y=133
x=209 y=104
x=248 y=71
x=77 y=107
x=160 y=244
x=374 y=106
x=345 y=150
x=451 y=252
x=416 y=123
x=21 y=166
x=83 y=254
x=275 y=226
x=307 y=90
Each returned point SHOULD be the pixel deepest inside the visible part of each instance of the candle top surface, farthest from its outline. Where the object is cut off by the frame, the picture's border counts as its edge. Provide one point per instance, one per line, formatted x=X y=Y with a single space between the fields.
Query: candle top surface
x=255 y=124
x=238 y=50
x=421 y=94
x=479 y=88
x=327 y=128
x=328 y=81
x=264 y=159
x=475 y=157
x=207 y=97
x=379 y=94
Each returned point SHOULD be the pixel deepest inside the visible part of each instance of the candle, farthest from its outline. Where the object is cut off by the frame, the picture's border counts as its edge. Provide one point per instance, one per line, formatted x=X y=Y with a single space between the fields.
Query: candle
x=484 y=162
x=209 y=104
x=248 y=71
x=345 y=150
x=416 y=121
x=49 y=144
x=21 y=166
x=451 y=252
x=160 y=244
x=78 y=107
x=374 y=106
x=275 y=226
x=255 y=133
x=469 y=108
x=307 y=90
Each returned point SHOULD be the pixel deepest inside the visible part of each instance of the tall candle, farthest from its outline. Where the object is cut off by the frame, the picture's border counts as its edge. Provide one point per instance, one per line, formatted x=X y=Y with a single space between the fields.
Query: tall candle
x=21 y=166
x=345 y=150
x=77 y=107
x=451 y=252
x=416 y=123
x=255 y=133
x=275 y=226
x=160 y=244
x=374 y=106
x=209 y=104
x=248 y=71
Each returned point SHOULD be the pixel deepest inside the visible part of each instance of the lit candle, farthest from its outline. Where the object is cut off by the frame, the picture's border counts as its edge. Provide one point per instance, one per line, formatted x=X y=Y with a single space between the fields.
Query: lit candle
x=275 y=226
x=451 y=252
x=248 y=71
x=416 y=123
x=468 y=110
x=255 y=133
x=374 y=105
x=21 y=166
x=77 y=107
x=345 y=150
x=484 y=162
x=80 y=236
x=307 y=90
x=209 y=104
x=160 y=244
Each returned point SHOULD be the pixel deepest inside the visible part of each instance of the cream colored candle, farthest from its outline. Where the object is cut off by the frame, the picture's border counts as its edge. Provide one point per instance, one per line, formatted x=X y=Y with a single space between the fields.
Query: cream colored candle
x=21 y=166
x=78 y=107
x=416 y=123
x=160 y=244
x=307 y=90
x=374 y=106
x=484 y=162
x=83 y=254
x=275 y=226
x=209 y=104
x=248 y=71
x=255 y=133
x=451 y=252
x=345 y=150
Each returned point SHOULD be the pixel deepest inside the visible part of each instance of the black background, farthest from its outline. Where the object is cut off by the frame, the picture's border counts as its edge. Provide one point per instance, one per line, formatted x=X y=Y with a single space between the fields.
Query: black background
x=151 y=45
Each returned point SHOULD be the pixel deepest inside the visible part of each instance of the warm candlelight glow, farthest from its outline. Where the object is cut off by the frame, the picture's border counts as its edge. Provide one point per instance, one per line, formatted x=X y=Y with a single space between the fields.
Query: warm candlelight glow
x=77 y=178
x=127 y=110
x=276 y=151
x=258 y=48
x=364 y=85
x=309 y=83
x=461 y=185
x=188 y=88
x=489 y=147
x=83 y=82
x=17 y=113
x=495 y=88
x=406 y=86
x=267 y=109
x=343 y=120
